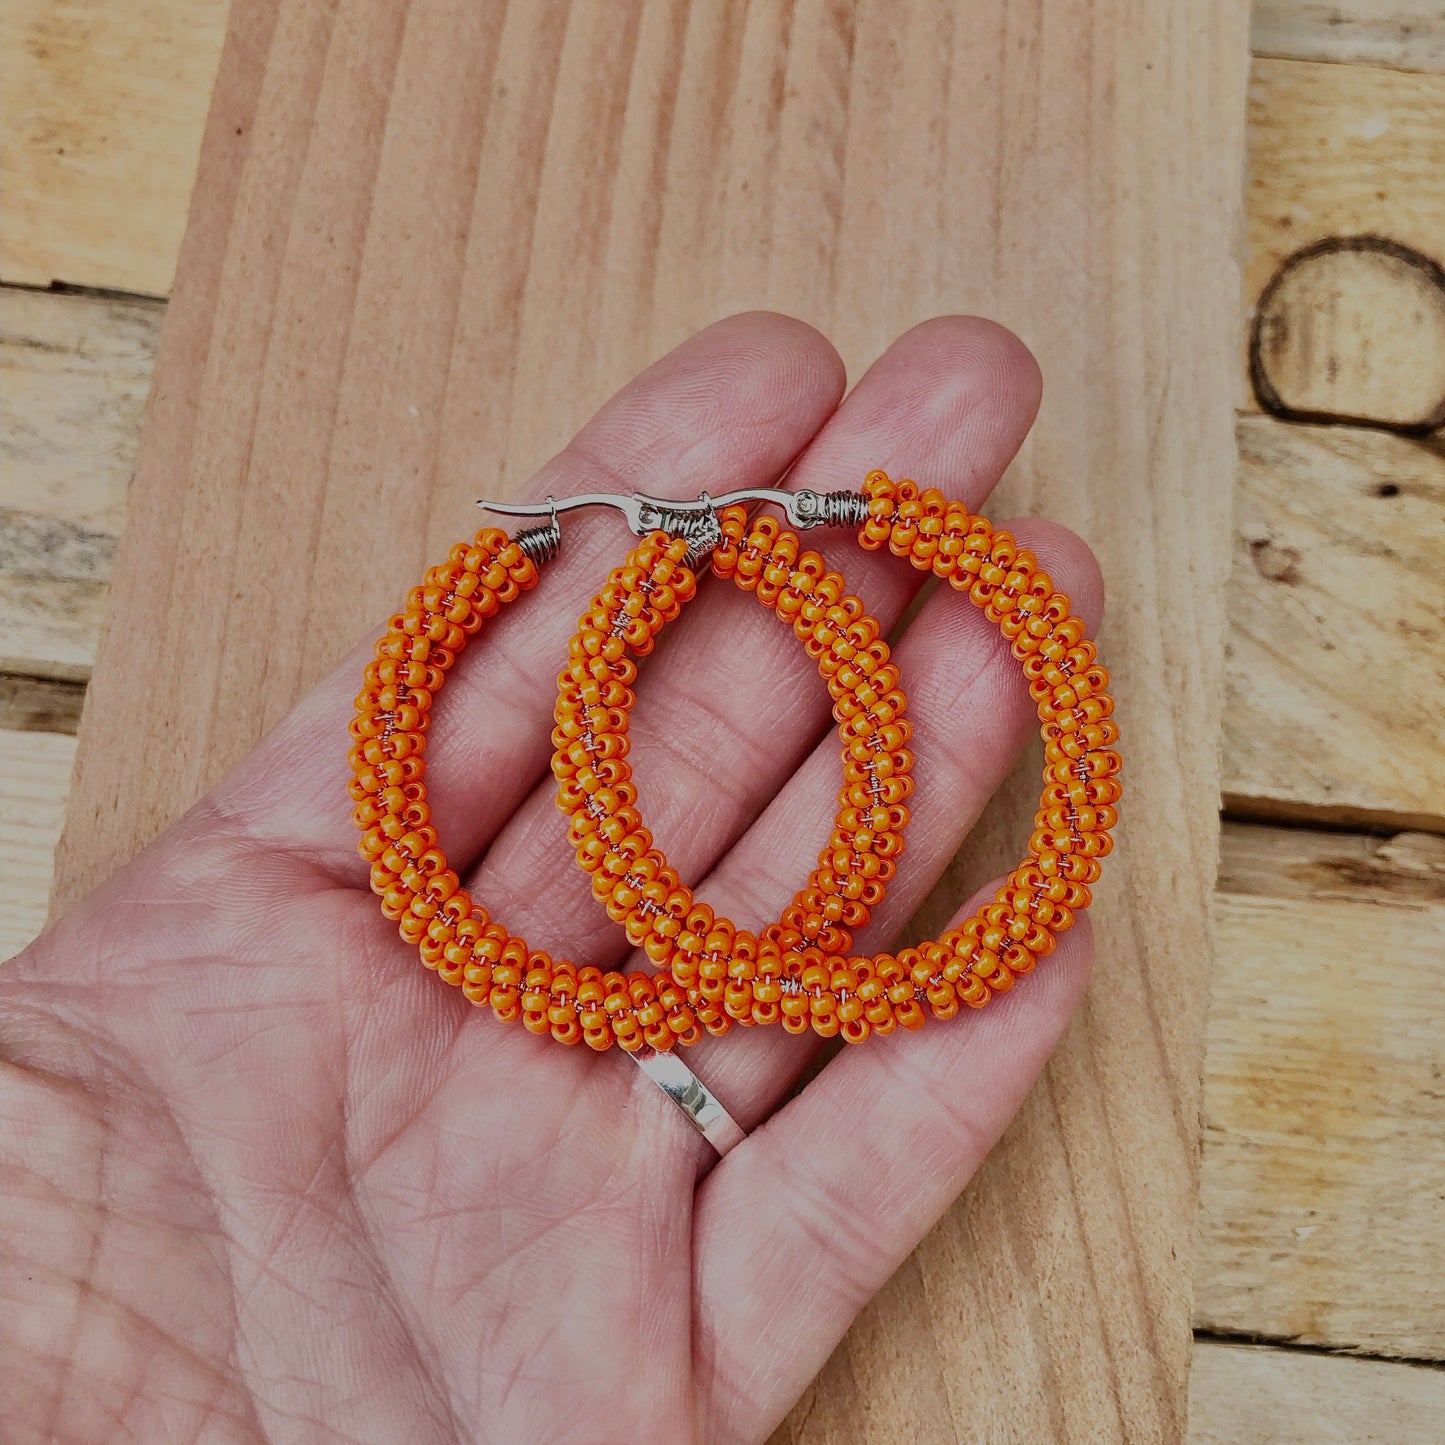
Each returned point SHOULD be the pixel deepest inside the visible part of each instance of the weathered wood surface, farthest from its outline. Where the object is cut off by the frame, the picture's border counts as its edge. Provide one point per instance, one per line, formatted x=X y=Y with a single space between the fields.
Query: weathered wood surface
x=74 y=374
x=1403 y=34
x=100 y=126
x=1339 y=152
x=1245 y=1395
x=1323 y=1186
x=1336 y=653
x=1353 y=329
x=35 y=772
x=719 y=159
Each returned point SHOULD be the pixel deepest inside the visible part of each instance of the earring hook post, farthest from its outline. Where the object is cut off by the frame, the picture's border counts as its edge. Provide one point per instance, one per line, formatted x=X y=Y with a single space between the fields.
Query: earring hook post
x=646 y=514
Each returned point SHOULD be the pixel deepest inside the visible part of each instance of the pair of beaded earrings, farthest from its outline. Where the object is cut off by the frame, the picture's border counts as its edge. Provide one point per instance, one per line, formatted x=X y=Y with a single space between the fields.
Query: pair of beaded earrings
x=799 y=971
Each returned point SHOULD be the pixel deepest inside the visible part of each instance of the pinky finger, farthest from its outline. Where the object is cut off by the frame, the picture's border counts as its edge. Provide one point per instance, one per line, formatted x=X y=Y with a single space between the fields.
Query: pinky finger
x=806 y=1221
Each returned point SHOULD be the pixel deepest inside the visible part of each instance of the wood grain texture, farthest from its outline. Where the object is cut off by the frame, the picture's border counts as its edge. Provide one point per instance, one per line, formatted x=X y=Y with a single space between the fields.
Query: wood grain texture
x=103 y=109
x=1402 y=34
x=382 y=296
x=1340 y=151
x=74 y=373
x=1322 y=1117
x=100 y=126
x=39 y=705
x=1353 y=329
x=1244 y=1395
x=34 y=772
x=1336 y=659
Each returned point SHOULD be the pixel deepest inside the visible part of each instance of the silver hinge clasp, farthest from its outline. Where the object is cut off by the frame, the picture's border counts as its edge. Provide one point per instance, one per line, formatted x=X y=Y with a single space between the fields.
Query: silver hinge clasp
x=696 y=519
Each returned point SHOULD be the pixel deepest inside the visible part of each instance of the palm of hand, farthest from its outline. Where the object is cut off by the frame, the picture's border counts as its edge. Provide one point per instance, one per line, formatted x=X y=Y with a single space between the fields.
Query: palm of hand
x=270 y=1179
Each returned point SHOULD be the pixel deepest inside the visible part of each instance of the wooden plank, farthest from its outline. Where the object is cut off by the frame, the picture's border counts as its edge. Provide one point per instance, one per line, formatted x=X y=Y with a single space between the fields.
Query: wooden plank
x=1402 y=34
x=100 y=126
x=103 y=110
x=74 y=373
x=333 y=366
x=1339 y=152
x=35 y=772
x=1323 y=1187
x=1336 y=660
x=1248 y=1395
x=38 y=705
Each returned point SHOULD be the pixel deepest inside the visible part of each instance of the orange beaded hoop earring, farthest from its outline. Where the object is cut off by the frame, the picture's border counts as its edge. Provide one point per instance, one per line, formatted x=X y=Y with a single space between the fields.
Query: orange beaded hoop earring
x=419 y=890
x=826 y=990
x=730 y=973
x=409 y=870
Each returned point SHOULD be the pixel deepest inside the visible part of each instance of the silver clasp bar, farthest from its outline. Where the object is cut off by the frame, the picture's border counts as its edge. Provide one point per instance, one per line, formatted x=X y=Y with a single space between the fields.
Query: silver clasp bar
x=695 y=519
x=646 y=514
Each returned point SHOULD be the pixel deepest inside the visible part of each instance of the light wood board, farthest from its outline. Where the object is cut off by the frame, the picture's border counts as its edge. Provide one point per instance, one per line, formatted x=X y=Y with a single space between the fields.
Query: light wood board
x=1351 y=153
x=1403 y=34
x=1243 y=1395
x=371 y=208
x=1323 y=1188
x=100 y=126
x=34 y=776
x=74 y=374
x=1336 y=659
x=1339 y=150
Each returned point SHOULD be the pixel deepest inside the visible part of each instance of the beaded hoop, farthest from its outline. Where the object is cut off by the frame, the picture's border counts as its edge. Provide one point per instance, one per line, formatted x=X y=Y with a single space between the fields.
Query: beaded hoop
x=1040 y=898
x=710 y=957
x=409 y=871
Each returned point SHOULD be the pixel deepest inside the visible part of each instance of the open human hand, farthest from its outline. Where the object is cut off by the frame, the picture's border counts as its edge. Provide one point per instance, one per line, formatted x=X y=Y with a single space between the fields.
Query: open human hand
x=269 y=1179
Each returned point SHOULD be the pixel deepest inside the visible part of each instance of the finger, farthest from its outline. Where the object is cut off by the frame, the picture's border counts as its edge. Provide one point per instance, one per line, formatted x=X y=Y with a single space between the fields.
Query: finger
x=971 y=715
x=801 y=1225
x=730 y=705
x=734 y=403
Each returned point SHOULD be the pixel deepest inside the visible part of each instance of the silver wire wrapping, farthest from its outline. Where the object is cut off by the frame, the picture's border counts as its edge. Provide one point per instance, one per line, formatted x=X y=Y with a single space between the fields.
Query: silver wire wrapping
x=834 y=509
x=542 y=543
x=703 y=532
x=695 y=520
